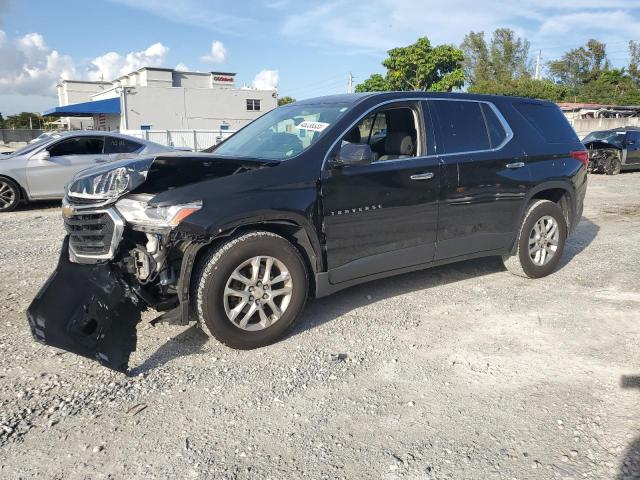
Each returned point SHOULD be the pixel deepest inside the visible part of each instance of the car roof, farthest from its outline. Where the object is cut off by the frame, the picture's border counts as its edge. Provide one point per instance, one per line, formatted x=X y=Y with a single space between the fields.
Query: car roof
x=353 y=98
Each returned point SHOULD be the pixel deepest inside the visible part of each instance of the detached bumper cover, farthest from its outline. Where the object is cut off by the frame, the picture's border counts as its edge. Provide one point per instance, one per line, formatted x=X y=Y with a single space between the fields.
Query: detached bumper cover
x=86 y=310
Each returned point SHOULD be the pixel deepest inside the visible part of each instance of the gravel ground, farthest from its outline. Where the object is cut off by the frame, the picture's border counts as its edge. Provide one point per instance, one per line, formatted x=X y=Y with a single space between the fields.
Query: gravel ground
x=463 y=371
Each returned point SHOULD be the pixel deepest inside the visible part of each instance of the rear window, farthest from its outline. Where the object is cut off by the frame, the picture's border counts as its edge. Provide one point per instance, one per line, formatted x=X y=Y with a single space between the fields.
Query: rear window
x=548 y=120
x=120 y=145
x=462 y=126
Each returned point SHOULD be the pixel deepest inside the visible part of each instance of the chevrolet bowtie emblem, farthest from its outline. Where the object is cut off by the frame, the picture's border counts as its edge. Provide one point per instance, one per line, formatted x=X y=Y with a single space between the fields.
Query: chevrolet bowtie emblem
x=68 y=211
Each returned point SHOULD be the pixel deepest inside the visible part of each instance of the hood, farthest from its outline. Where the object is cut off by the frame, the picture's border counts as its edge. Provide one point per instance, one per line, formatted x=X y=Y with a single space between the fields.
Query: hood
x=155 y=174
x=600 y=144
x=177 y=170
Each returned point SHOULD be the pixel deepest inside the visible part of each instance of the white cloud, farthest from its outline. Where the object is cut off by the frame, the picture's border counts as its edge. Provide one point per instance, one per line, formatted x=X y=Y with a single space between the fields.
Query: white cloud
x=29 y=66
x=112 y=65
x=217 y=54
x=351 y=26
x=181 y=67
x=266 y=80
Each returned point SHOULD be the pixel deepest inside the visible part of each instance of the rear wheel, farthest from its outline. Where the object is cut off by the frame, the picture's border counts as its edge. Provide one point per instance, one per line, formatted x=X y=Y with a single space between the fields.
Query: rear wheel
x=9 y=195
x=250 y=290
x=540 y=241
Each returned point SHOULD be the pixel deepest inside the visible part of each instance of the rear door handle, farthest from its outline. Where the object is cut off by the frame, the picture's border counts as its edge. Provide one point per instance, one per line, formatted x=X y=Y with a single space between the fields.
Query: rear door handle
x=515 y=165
x=422 y=176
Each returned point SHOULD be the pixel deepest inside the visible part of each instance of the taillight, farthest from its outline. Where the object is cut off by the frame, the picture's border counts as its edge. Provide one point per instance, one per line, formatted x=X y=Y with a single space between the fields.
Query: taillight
x=581 y=155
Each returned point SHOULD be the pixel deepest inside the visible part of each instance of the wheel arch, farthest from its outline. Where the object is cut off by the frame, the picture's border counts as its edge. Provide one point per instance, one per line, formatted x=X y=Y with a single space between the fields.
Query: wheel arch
x=558 y=192
x=22 y=191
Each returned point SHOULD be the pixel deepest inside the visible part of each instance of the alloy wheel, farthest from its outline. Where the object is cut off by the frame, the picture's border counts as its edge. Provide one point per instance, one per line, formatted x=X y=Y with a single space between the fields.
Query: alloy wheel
x=257 y=293
x=543 y=240
x=7 y=194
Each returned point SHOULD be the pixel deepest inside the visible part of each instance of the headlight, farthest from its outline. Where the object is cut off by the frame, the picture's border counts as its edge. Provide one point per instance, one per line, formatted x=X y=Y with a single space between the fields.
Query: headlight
x=111 y=180
x=139 y=214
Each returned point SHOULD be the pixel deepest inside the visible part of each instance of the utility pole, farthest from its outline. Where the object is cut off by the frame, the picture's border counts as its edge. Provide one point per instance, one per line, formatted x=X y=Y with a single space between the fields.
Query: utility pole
x=350 y=83
x=30 y=122
x=538 y=74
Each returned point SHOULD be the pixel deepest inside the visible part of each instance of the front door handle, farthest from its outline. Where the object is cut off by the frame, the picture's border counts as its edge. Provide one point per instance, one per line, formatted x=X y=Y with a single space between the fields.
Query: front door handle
x=515 y=165
x=422 y=176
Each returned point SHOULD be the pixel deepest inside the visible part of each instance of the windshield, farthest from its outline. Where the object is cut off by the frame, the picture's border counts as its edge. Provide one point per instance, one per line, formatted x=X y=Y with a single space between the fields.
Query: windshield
x=614 y=138
x=30 y=147
x=282 y=133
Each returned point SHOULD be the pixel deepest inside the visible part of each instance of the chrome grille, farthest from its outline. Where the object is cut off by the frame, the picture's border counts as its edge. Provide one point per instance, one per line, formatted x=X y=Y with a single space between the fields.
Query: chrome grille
x=94 y=233
x=90 y=233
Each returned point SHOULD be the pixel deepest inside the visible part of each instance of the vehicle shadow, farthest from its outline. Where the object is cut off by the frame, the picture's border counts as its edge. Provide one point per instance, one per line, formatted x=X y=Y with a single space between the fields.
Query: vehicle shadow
x=581 y=238
x=189 y=342
x=326 y=309
x=39 y=205
x=630 y=466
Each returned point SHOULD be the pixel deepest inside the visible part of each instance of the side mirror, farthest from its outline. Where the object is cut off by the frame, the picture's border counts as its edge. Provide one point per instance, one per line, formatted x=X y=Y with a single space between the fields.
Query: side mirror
x=42 y=155
x=354 y=154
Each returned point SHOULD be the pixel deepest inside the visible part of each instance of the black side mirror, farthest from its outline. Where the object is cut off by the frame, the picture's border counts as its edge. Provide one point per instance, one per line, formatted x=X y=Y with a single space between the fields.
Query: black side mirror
x=354 y=154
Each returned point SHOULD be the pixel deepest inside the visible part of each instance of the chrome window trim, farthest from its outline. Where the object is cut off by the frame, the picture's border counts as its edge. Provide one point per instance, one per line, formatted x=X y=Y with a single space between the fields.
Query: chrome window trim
x=498 y=113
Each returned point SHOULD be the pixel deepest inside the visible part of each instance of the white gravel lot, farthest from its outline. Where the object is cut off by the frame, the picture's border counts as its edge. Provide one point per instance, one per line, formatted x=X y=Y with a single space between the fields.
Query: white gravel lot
x=462 y=371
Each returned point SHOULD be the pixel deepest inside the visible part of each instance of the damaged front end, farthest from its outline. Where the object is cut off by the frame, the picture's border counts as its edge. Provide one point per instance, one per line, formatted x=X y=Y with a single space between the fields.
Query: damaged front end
x=122 y=254
x=604 y=157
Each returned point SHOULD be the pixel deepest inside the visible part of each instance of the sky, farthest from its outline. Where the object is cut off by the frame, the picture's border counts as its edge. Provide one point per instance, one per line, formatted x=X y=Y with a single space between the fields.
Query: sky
x=305 y=49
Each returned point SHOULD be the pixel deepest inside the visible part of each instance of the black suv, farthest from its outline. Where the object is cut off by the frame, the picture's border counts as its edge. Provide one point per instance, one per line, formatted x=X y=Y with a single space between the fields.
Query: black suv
x=308 y=199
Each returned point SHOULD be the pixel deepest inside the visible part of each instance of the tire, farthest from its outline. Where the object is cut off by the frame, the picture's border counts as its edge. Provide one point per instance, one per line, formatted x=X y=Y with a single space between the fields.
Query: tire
x=9 y=195
x=524 y=262
x=613 y=166
x=221 y=314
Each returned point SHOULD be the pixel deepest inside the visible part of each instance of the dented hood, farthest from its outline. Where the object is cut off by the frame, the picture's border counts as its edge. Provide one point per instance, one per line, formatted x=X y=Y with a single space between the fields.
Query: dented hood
x=177 y=170
x=600 y=144
x=163 y=172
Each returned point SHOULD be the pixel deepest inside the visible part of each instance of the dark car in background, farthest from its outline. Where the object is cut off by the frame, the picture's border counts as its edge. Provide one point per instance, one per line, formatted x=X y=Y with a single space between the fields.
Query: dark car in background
x=311 y=198
x=612 y=151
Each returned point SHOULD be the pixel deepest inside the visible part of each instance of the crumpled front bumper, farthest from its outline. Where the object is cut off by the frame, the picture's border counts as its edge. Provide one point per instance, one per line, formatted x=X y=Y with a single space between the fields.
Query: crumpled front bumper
x=87 y=310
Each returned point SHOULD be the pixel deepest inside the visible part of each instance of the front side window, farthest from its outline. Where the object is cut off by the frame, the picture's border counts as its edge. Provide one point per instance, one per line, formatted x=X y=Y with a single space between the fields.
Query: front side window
x=77 y=146
x=253 y=105
x=462 y=126
x=282 y=133
x=391 y=132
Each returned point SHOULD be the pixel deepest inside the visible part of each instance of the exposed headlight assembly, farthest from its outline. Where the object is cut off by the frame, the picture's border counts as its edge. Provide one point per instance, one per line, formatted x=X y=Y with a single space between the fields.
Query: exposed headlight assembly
x=140 y=215
x=110 y=181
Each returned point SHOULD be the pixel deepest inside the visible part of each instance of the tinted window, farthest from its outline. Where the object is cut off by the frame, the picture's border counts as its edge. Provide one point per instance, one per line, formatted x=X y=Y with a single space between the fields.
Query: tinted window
x=497 y=134
x=548 y=120
x=634 y=137
x=462 y=126
x=120 y=145
x=77 y=146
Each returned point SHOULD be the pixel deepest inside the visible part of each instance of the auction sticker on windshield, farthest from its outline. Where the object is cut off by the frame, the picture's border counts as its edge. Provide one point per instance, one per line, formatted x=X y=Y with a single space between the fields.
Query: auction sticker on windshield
x=313 y=126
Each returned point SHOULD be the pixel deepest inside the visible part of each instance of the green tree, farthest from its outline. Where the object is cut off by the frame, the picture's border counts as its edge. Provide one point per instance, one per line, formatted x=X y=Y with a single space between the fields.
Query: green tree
x=419 y=66
x=1 y=121
x=611 y=87
x=375 y=83
x=523 y=87
x=634 y=61
x=580 y=65
x=285 y=100
x=506 y=57
x=24 y=120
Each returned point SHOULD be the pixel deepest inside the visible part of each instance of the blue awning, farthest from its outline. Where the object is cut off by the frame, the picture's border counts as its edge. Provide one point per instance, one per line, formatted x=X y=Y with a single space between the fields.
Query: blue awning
x=86 y=109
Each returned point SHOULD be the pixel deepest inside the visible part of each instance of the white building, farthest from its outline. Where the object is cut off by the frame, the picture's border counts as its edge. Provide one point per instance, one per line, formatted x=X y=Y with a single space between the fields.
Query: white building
x=163 y=99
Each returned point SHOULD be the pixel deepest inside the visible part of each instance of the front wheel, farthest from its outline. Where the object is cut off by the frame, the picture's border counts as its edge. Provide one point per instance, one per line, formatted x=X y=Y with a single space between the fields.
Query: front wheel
x=250 y=290
x=613 y=166
x=540 y=241
x=9 y=195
